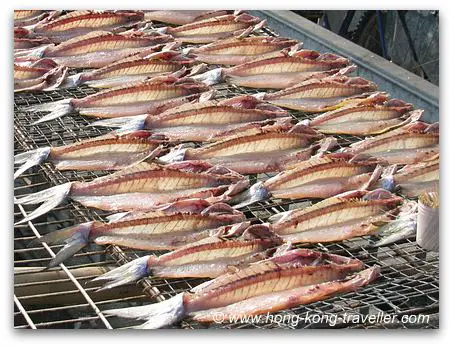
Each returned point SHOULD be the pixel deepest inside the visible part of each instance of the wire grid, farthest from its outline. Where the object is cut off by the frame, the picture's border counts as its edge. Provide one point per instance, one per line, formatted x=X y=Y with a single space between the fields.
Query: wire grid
x=409 y=275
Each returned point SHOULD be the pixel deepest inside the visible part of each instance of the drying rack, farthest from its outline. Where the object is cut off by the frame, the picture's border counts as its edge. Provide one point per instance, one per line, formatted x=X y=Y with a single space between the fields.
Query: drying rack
x=62 y=298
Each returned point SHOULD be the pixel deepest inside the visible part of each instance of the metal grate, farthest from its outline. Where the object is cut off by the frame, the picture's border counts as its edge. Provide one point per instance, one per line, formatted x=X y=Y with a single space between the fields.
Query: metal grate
x=62 y=298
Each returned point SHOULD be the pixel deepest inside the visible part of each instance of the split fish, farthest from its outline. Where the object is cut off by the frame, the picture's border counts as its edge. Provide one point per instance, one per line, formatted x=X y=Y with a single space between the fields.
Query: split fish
x=282 y=282
x=181 y=17
x=42 y=74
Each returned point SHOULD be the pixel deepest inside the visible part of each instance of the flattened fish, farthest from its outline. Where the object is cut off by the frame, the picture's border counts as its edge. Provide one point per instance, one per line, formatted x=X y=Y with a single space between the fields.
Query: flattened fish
x=413 y=179
x=153 y=96
x=281 y=282
x=255 y=150
x=285 y=70
x=99 y=48
x=209 y=258
x=374 y=115
x=342 y=217
x=107 y=152
x=318 y=95
x=235 y=51
x=33 y=17
x=41 y=74
x=77 y=23
x=136 y=68
x=318 y=177
x=142 y=187
x=181 y=17
x=409 y=144
x=204 y=121
x=166 y=229
x=216 y=28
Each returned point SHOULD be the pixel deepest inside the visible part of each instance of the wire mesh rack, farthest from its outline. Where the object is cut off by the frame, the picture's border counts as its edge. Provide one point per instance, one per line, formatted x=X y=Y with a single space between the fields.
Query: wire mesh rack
x=407 y=290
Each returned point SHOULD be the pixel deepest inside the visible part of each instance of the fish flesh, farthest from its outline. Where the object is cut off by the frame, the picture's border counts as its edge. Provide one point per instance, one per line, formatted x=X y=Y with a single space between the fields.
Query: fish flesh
x=409 y=144
x=319 y=177
x=372 y=116
x=100 y=48
x=255 y=150
x=207 y=258
x=208 y=121
x=216 y=28
x=77 y=23
x=342 y=217
x=181 y=17
x=165 y=229
x=113 y=151
x=31 y=18
x=152 y=96
x=235 y=51
x=319 y=95
x=413 y=179
x=284 y=281
x=41 y=74
x=136 y=68
x=144 y=186
x=286 y=70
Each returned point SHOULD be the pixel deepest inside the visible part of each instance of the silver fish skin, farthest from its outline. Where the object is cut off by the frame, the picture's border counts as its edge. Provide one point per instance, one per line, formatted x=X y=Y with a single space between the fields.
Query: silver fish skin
x=113 y=151
x=285 y=280
x=168 y=228
x=207 y=258
x=144 y=187
x=255 y=150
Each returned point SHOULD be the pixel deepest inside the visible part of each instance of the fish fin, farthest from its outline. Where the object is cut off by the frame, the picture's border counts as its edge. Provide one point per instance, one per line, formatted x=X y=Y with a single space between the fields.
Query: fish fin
x=228 y=231
x=378 y=194
x=218 y=208
x=75 y=237
x=387 y=181
x=117 y=216
x=124 y=123
x=251 y=29
x=50 y=197
x=156 y=315
x=374 y=177
x=177 y=154
x=255 y=193
x=57 y=112
x=210 y=77
x=125 y=274
x=30 y=159
x=326 y=145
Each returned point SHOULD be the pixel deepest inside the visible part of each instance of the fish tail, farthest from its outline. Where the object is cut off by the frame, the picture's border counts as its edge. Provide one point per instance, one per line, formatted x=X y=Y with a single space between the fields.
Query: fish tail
x=127 y=273
x=50 y=198
x=373 y=178
x=387 y=181
x=76 y=237
x=57 y=109
x=255 y=193
x=210 y=77
x=156 y=315
x=30 y=159
x=124 y=123
x=72 y=81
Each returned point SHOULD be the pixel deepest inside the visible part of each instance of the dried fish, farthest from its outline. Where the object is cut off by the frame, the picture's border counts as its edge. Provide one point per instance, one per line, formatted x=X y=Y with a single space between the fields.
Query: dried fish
x=166 y=229
x=181 y=17
x=204 y=121
x=409 y=144
x=143 y=186
x=235 y=51
x=107 y=152
x=255 y=150
x=31 y=18
x=153 y=96
x=77 y=23
x=216 y=28
x=281 y=282
x=348 y=215
x=318 y=177
x=207 y=258
x=41 y=74
x=318 y=95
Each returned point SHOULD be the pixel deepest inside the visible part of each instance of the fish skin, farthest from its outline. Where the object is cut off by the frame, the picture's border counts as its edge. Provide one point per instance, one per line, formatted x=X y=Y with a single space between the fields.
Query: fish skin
x=372 y=116
x=77 y=23
x=212 y=29
x=99 y=48
x=289 y=271
x=341 y=217
x=236 y=51
x=181 y=17
x=256 y=150
x=409 y=144
x=144 y=187
x=285 y=70
x=317 y=95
